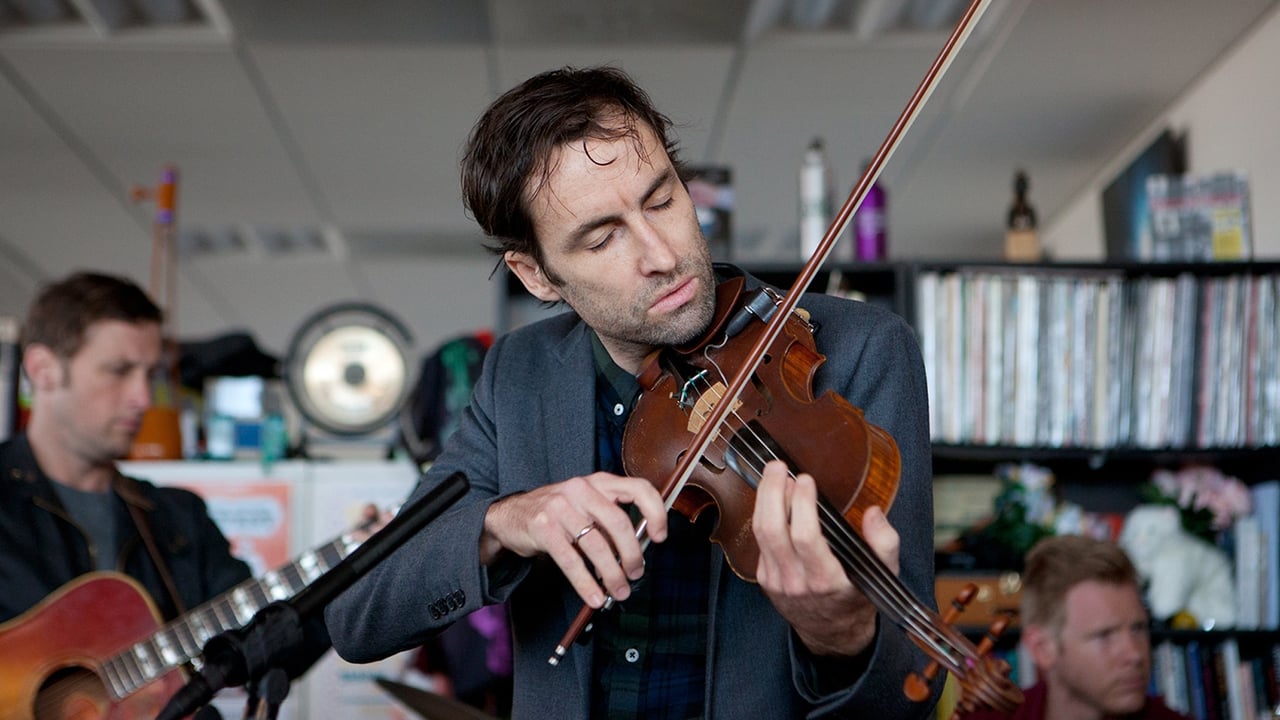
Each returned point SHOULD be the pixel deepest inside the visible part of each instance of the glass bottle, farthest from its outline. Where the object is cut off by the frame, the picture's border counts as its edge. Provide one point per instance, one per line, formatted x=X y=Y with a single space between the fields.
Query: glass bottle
x=1020 y=241
x=1021 y=215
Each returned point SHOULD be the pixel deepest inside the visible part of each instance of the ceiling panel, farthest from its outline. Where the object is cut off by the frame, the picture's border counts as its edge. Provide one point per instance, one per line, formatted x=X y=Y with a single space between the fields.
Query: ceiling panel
x=140 y=107
x=418 y=292
x=270 y=297
x=311 y=114
x=617 y=22
x=60 y=210
x=314 y=22
x=685 y=83
x=384 y=151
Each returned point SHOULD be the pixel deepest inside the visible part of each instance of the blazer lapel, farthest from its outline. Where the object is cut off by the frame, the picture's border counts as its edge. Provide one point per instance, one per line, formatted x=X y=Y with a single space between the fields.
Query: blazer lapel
x=572 y=450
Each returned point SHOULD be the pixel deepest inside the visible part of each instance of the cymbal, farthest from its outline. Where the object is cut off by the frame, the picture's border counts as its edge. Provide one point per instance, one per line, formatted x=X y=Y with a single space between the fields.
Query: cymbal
x=348 y=368
x=429 y=705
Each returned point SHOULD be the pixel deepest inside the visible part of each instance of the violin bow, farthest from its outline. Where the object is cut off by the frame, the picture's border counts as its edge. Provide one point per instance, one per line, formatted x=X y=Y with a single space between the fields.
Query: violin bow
x=715 y=419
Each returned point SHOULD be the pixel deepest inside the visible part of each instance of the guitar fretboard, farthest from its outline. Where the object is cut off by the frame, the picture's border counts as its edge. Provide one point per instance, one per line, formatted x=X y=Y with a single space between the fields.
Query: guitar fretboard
x=183 y=639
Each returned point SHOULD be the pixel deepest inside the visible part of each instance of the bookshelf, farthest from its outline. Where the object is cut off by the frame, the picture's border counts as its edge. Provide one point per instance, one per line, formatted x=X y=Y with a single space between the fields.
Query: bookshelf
x=1152 y=356
x=1098 y=417
x=1114 y=364
x=1118 y=370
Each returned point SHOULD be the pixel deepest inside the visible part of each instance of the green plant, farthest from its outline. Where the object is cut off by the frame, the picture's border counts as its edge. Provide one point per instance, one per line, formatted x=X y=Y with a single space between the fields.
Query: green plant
x=1014 y=525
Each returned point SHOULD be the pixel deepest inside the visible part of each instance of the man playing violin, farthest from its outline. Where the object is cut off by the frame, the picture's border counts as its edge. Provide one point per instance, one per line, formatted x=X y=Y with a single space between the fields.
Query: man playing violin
x=575 y=178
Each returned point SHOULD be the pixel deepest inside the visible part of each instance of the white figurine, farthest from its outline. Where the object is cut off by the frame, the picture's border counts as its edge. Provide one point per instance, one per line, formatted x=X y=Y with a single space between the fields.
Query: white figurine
x=1182 y=571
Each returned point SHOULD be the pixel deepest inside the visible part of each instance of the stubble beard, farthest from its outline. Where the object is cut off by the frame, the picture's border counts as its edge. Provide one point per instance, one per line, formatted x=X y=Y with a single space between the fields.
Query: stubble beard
x=684 y=324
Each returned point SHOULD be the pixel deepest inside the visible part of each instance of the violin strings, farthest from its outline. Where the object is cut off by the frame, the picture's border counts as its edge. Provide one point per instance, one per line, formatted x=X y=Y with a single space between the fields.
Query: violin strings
x=877 y=580
x=857 y=557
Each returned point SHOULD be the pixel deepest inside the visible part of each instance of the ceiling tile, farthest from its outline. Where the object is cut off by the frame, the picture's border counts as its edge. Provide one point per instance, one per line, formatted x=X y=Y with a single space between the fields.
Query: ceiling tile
x=384 y=151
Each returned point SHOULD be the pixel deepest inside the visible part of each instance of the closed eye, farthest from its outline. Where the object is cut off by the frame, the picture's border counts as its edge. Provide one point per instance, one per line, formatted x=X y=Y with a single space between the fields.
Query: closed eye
x=602 y=243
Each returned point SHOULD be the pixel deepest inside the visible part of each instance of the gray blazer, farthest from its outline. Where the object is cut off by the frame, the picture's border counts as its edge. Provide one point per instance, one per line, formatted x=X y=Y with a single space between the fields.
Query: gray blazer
x=531 y=422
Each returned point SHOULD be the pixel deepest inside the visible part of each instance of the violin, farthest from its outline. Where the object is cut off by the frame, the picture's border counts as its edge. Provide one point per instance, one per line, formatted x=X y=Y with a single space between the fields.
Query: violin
x=711 y=414
x=854 y=463
x=848 y=457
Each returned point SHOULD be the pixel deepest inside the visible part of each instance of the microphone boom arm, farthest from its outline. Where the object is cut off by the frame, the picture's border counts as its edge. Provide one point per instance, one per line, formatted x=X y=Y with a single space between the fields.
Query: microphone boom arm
x=243 y=655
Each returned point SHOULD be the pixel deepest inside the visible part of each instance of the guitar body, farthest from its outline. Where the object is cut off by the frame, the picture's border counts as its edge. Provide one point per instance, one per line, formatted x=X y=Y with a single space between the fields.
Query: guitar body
x=50 y=655
x=94 y=649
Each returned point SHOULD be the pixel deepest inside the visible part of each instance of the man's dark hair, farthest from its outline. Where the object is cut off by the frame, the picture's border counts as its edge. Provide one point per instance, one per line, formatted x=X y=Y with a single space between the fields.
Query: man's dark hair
x=65 y=309
x=508 y=157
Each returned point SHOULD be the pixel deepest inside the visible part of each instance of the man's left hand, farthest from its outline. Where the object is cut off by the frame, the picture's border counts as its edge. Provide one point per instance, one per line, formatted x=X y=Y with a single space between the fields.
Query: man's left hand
x=799 y=573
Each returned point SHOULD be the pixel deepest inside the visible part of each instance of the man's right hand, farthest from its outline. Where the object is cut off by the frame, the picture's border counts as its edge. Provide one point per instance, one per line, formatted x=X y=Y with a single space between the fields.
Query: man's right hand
x=582 y=525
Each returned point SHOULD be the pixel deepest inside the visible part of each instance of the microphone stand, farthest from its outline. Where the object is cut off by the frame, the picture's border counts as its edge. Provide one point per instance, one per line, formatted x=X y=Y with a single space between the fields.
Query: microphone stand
x=266 y=695
x=255 y=653
x=253 y=656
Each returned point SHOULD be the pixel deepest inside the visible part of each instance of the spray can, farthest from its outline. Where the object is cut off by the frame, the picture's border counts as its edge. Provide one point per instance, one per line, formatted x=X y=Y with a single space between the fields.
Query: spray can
x=815 y=198
x=870 y=226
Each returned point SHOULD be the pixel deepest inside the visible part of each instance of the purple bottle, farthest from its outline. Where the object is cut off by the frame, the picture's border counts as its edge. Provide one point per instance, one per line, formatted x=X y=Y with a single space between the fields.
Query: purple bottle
x=870 y=231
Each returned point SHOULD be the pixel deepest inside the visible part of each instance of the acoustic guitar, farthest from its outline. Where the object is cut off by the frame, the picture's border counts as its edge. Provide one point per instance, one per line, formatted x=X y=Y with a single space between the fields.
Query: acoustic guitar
x=94 y=648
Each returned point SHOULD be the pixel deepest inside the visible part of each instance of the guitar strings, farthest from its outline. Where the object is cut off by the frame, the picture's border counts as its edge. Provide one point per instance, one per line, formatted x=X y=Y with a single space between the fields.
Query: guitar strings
x=145 y=661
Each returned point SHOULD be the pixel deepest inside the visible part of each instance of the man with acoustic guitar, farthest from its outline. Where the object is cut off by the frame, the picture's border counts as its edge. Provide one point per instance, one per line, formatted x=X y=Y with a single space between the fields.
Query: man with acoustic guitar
x=91 y=347
x=574 y=178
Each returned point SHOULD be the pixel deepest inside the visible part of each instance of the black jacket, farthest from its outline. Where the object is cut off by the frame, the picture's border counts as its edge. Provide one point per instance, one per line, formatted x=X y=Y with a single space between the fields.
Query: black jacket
x=41 y=547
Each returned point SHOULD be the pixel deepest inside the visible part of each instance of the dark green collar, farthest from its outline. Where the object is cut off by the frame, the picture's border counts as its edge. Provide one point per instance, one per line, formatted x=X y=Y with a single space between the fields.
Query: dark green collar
x=623 y=383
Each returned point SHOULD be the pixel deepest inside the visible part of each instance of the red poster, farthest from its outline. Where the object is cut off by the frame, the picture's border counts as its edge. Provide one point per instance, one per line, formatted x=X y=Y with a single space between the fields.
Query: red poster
x=254 y=515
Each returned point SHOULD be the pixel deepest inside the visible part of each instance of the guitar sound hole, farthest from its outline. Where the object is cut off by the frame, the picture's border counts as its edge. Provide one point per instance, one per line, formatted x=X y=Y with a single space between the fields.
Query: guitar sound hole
x=73 y=693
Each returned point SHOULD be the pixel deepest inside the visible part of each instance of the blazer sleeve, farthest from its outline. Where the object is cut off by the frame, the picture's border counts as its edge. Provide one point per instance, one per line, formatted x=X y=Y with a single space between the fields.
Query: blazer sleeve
x=435 y=577
x=874 y=361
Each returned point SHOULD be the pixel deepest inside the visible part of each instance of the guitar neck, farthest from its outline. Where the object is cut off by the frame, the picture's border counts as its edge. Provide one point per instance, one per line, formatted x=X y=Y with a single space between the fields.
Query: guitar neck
x=183 y=640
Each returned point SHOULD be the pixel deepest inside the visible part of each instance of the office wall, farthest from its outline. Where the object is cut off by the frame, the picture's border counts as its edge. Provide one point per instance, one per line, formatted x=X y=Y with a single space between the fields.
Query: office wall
x=1230 y=117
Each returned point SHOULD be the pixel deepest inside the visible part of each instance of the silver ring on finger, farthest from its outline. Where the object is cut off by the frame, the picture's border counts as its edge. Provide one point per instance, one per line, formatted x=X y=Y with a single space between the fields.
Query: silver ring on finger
x=582 y=533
